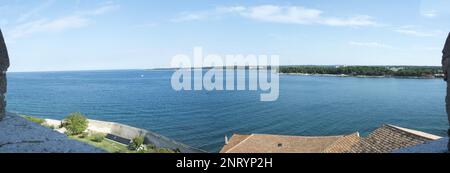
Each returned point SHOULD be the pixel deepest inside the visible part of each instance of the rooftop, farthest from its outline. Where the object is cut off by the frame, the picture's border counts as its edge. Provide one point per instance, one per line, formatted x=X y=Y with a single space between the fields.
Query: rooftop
x=389 y=138
x=386 y=139
x=259 y=143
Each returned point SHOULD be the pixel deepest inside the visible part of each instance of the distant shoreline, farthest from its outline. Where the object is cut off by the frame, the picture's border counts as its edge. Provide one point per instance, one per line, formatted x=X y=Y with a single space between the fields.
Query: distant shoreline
x=358 y=76
x=409 y=72
x=405 y=72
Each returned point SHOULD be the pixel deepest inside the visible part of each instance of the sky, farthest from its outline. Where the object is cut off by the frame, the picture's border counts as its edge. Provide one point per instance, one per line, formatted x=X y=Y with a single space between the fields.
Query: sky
x=56 y=35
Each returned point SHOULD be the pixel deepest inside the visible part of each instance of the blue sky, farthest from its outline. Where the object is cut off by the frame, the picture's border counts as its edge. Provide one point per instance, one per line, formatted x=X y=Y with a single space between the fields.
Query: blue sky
x=56 y=35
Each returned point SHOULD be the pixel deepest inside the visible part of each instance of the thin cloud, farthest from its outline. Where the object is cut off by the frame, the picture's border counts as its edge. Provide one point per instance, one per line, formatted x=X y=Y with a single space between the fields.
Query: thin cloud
x=43 y=25
x=25 y=16
x=145 y=25
x=414 y=31
x=191 y=17
x=204 y=15
x=77 y=20
x=370 y=45
x=302 y=15
x=231 y=9
x=361 y=20
x=109 y=7
x=271 y=13
x=430 y=13
x=282 y=14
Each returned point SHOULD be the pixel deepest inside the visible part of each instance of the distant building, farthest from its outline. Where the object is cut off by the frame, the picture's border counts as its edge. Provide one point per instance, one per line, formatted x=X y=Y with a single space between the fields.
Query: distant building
x=385 y=139
x=439 y=75
x=341 y=66
x=396 y=69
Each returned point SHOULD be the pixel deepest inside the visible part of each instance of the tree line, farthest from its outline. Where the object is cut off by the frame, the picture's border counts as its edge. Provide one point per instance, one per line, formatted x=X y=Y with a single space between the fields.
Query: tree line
x=395 y=71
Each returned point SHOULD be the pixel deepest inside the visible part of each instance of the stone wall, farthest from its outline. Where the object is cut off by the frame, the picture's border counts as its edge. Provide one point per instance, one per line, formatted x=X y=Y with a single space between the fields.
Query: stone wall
x=18 y=135
x=4 y=64
x=132 y=132
x=129 y=132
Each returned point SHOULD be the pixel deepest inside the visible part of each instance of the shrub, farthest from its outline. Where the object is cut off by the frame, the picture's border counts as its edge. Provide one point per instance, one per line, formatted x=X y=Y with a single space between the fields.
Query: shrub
x=50 y=126
x=34 y=119
x=165 y=150
x=97 y=137
x=84 y=135
x=142 y=150
x=61 y=125
x=75 y=123
x=137 y=142
x=151 y=147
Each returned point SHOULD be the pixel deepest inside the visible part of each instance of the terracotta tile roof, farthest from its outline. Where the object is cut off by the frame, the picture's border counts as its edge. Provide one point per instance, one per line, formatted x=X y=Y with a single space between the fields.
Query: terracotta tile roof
x=344 y=144
x=258 y=143
x=385 y=139
x=234 y=141
x=389 y=138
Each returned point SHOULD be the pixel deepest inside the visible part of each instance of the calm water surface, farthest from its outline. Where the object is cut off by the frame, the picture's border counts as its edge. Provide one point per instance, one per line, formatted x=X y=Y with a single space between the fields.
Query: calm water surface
x=308 y=105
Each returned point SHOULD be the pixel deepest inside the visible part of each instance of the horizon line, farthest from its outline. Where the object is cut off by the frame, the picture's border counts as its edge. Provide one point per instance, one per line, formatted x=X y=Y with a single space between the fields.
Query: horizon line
x=169 y=68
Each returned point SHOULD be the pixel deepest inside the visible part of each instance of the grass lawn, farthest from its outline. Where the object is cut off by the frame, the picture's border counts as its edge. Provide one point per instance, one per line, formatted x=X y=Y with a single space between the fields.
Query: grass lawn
x=107 y=145
x=115 y=147
x=33 y=119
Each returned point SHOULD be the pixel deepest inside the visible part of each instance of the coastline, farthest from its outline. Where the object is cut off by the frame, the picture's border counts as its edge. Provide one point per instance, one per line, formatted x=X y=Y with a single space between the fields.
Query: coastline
x=357 y=76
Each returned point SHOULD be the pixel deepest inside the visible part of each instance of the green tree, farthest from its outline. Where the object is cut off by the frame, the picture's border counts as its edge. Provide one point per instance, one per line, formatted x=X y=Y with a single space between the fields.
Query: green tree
x=137 y=142
x=389 y=71
x=75 y=123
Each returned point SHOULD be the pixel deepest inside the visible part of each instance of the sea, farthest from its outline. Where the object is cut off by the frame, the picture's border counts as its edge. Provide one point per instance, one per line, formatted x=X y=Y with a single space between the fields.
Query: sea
x=307 y=105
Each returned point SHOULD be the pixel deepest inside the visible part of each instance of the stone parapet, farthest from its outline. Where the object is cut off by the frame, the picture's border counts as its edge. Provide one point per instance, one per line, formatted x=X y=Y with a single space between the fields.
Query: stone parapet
x=4 y=64
x=19 y=135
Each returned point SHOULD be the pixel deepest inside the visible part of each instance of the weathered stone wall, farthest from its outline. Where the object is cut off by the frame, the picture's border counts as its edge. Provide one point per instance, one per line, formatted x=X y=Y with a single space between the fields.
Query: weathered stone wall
x=4 y=64
x=18 y=135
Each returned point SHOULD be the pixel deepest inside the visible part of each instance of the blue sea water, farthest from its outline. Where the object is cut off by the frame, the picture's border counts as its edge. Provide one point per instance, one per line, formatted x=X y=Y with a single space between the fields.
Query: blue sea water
x=308 y=105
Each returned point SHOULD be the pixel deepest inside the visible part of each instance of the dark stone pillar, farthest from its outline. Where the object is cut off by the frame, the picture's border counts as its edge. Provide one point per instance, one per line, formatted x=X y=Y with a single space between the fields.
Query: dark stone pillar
x=4 y=64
